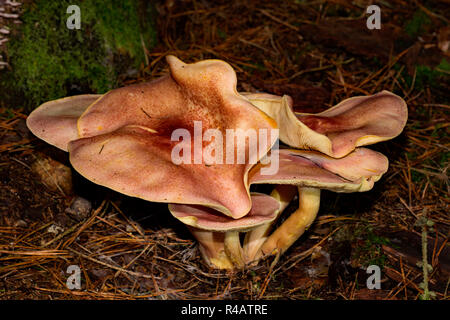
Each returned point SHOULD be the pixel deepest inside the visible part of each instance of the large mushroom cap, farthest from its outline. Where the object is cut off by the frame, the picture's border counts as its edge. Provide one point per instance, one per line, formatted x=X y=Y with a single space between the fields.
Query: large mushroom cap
x=264 y=210
x=357 y=121
x=126 y=138
x=202 y=91
x=358 y=171
x=55 y=121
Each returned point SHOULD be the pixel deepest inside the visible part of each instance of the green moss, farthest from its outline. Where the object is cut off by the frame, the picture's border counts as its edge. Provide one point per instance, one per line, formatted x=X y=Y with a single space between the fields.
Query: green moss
x=221 y=34
x=7 y=114
x=370 y=251
x=417 y=177
x=411 y=155
x=444 y=66
x=121 y=25
x=417 y=24
x=50 y=61
x=433 y=77
x=426 y=76
x=444 y=159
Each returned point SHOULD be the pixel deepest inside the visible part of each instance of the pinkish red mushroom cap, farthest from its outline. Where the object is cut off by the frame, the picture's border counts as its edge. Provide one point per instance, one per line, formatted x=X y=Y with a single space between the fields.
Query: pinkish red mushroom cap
x=264 y=210
x=355 y=172
x=123 y=139
x=357 y=121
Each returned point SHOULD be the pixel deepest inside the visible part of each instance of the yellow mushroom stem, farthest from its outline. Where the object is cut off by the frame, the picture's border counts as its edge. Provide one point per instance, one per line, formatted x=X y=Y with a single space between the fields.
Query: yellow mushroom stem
x=233 y=248
x=212 y=248
x=255 y=238
x=294 y=226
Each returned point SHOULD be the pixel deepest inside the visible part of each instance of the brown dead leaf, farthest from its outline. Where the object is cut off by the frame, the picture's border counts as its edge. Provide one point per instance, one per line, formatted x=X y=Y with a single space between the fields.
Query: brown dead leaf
x=53 y=174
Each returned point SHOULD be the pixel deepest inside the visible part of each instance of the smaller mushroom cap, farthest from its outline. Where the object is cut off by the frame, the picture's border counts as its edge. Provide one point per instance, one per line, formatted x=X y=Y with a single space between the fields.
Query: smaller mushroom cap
x=264 y=210
x=357 y=171
x=357 y=121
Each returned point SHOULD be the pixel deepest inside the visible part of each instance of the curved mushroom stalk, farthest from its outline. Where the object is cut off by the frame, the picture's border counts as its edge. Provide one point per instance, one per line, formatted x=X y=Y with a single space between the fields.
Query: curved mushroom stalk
x=255 y=238
x=297 y=223
x=212 y=248
x=357 y=121
x=234 y=249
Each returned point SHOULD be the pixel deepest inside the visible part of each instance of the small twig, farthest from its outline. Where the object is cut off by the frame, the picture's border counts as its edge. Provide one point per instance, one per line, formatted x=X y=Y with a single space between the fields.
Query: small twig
x=21 y=162
x=145 y=50
x=408 y=207
x=430 y=13
x=269 y=275
x=134 y=259
x=436 y=105
x=264 y=12
x=133 y=273
x=9 y=15
x=425 y=224
x=61 y=235
x=85 y=225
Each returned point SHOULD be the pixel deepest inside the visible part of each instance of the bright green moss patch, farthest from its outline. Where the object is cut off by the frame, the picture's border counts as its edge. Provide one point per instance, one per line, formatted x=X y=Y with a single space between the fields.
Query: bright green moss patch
x=50 y=61
x=121 y=25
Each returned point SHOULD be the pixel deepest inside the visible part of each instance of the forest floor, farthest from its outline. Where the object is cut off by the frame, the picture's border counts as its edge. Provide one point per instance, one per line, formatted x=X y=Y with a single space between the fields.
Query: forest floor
x=319 y=53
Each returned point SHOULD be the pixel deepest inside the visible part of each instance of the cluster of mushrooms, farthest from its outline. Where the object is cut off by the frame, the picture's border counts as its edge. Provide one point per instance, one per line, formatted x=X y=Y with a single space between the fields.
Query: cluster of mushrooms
x=124 y=140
